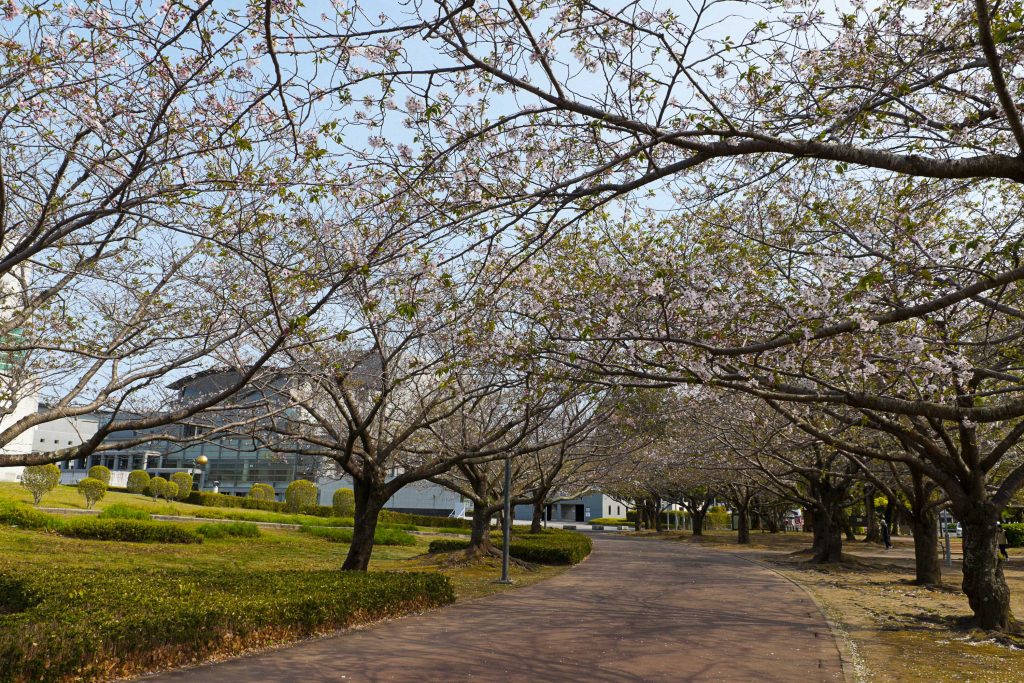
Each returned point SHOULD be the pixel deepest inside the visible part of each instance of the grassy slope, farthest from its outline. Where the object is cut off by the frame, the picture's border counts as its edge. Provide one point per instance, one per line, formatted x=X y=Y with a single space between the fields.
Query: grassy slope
x=275 y=549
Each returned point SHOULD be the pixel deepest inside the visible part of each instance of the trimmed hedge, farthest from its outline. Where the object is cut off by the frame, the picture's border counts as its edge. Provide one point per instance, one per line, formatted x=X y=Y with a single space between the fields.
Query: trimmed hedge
x=262 y=492
x=228 y=529
x=122 y=511
x=95 y=528
x=613 y=521
x=382 y=536
x=343 y=503
x=50 y=630
x=1014 y=535
x=100 y=472
x=425 y=520
x=551 y=546
x=92 y=489
x=130 y=530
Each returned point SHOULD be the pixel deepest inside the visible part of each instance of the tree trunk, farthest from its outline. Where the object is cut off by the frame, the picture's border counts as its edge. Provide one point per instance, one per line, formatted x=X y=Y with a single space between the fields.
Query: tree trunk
x=848 y=530
x=538 y=517
x=984 y=583
x=480 y=534
x=828 y=538
x=698 y=522
x=368 y=507
x=927 y=567
x=872 y=532
x=743 y=524
x=659 y=520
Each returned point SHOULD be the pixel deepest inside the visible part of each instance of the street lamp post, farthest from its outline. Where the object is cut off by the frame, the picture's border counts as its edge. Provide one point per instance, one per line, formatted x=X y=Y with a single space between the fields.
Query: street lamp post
x=507 y=522
x=197 y=463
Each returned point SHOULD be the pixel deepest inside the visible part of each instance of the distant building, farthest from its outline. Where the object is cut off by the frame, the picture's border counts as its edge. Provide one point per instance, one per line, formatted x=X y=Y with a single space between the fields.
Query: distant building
x=591 y=505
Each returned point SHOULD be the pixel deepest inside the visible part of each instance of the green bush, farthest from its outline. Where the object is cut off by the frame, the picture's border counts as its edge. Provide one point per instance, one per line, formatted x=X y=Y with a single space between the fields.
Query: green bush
x=157 y=487
x=100 y=472
x=301 y=493
x=130 y=530
x=50 y=630
x=1014 y=535
x=614 y=521
x=183 y=481
x=40 y=480
x=262 y=492
x=122 y=511
x=551 y=546
x=220 y=500
x=92 y=490
x=138 y=480
x=226 y=529
x=24 y=517
x=170 y=490
x=382 y=536
x=344 y=503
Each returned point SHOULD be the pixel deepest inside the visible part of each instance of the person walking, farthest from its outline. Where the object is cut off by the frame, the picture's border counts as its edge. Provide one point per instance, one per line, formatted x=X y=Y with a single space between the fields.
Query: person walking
x=1001 y=540
x=884 y=526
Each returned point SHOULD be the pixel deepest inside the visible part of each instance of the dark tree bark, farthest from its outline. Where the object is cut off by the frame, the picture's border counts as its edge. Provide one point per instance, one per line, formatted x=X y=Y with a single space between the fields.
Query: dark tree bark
x=828 y=538
x=369 y=502
x=697 y=518
x=983 y=581
x=872 y=532
x=480 y=532
x=536 y=523
x=927 y=567
x=743 y=524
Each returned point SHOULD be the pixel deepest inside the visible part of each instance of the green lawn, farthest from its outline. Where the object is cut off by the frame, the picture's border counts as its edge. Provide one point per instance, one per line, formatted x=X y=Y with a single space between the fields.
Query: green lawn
x=41 y=556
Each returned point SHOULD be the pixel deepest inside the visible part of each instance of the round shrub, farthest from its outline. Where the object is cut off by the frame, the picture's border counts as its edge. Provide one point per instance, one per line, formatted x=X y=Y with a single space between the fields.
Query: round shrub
x=262 y=492
x=138 y=480
x=157 y=487
x=183 y=481
x=92 y=490
x=100 y=472
x=299 y=494
x=170 y=490
x=40 y=480
x=344 y=503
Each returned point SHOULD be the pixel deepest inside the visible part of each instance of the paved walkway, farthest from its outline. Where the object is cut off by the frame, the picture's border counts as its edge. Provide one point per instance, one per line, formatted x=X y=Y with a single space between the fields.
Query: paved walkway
x=636 y=610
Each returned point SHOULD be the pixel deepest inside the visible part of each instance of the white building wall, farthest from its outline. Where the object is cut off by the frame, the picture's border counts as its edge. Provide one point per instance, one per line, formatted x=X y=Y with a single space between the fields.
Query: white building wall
x=421 y=496
x=23 y=443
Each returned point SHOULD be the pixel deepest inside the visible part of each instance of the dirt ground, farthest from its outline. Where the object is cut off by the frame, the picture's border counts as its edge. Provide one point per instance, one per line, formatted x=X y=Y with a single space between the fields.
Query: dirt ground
x=894 y=630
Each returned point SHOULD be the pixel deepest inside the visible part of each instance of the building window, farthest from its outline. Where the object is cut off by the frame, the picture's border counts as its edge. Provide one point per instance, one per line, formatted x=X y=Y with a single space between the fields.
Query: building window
x=609 y=510
x=618 y=509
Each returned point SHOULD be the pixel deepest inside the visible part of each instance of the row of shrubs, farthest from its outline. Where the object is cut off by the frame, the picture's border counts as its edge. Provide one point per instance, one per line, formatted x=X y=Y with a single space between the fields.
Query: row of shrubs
x=550 y=546
x=382 y=535
x=114 y=624
x=95 y=528
x=424 y=520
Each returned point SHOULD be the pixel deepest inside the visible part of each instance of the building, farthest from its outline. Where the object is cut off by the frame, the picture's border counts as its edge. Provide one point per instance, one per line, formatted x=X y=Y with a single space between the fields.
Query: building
x=590 y=505
x=421 y=498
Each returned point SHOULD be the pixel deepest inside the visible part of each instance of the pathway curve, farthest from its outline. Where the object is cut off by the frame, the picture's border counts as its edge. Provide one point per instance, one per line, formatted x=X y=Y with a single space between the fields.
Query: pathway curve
x=636 y=610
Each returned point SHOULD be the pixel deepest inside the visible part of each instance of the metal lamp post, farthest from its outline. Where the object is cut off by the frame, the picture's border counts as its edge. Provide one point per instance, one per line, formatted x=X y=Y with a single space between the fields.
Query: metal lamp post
x=197 y=463
x=507 y=522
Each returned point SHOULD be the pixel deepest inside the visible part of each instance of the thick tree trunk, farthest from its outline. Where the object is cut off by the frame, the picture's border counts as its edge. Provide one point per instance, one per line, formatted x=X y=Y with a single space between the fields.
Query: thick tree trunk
x=828 y=538
x=984 y=583
x=659 y=520
x=368 y=507
x=743 y=524
x=698 y=522
x=848 y=530
x=927 y=567
x=538 y=518
x=480 y=534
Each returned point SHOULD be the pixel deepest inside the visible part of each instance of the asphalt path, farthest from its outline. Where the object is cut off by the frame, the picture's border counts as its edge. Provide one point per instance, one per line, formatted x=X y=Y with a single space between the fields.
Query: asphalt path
x=636 y=610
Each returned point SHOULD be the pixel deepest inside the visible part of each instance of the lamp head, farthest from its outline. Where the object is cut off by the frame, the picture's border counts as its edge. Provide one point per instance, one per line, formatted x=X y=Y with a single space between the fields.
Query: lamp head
x=202 y=460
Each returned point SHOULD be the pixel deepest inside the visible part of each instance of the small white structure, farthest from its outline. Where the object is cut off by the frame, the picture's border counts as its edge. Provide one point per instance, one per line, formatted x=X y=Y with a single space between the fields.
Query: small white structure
x=23 y=443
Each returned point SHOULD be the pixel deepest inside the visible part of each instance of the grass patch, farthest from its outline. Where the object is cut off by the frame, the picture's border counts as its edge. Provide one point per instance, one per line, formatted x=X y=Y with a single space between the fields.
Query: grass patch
x=382 y=536
x=228 y=530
